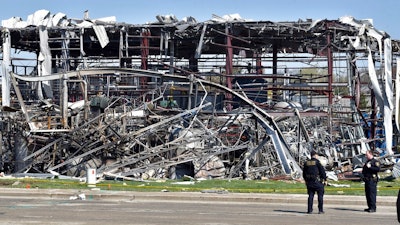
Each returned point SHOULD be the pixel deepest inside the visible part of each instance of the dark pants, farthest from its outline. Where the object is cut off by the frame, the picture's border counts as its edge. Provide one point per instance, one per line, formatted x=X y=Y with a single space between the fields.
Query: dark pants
x=312 y=187
x=398 y=206
x=370 y=193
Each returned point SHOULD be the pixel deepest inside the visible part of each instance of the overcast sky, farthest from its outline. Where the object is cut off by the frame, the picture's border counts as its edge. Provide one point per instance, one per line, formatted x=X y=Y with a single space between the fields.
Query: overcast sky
x=385 y=14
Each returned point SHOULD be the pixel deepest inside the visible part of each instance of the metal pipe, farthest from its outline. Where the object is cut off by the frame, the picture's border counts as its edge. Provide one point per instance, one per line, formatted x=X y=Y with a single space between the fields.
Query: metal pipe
x=201 y=41
x=330 y=79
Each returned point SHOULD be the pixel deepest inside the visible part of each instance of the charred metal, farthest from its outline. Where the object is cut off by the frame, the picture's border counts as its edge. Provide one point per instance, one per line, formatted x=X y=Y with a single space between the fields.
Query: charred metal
x=224 y=98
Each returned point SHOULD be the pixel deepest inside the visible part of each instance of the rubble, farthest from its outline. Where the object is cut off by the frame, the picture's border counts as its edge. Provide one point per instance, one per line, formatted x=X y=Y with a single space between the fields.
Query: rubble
x=225 y=98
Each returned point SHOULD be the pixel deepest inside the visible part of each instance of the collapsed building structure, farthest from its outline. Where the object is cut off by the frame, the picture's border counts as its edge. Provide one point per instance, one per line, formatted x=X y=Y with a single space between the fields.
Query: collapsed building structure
x=224 y=98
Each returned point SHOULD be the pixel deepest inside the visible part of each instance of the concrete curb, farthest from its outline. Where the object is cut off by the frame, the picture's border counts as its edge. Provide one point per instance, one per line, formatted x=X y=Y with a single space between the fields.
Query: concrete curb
x=108 y=195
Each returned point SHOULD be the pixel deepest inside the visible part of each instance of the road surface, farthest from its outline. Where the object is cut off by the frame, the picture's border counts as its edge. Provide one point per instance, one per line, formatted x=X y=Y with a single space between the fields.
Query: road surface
x=30 y=210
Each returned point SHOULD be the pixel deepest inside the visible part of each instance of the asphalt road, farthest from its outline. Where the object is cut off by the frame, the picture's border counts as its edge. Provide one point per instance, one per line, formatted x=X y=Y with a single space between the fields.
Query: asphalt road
x=43 y=210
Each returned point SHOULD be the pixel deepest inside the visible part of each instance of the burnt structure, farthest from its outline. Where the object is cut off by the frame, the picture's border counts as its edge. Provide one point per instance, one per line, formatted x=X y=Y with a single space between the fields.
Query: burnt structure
x=221 y=98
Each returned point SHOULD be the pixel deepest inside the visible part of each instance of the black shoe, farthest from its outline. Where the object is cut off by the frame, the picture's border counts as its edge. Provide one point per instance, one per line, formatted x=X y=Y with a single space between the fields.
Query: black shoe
x=371 y=210
x=309 y=212
x=321 y=212
x=367 y=210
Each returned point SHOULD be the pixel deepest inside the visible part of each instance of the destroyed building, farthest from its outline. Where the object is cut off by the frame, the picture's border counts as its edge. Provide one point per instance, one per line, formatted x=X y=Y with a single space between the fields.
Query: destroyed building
x=223 y=98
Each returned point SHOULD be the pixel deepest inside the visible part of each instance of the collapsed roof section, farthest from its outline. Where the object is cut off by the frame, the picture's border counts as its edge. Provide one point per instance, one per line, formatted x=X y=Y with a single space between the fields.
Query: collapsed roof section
x=191 y=38
x=97 y=86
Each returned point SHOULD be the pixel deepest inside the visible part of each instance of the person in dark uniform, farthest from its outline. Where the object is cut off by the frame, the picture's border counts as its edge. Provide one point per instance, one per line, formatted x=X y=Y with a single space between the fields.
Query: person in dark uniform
x=370 y=177
x=398 y=206
x=315 y=178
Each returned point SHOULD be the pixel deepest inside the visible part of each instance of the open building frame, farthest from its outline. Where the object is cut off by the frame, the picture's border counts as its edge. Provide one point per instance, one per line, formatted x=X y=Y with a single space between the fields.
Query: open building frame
x=222 y=98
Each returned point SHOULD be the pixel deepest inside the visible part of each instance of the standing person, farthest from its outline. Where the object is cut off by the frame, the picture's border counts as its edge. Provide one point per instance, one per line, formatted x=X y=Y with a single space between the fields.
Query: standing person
x=315 y=177
x=398 y=206
x=370 y=177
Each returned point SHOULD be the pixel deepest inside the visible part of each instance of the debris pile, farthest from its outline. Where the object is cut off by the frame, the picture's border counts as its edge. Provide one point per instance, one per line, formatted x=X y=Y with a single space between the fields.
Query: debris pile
x=165 y=100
